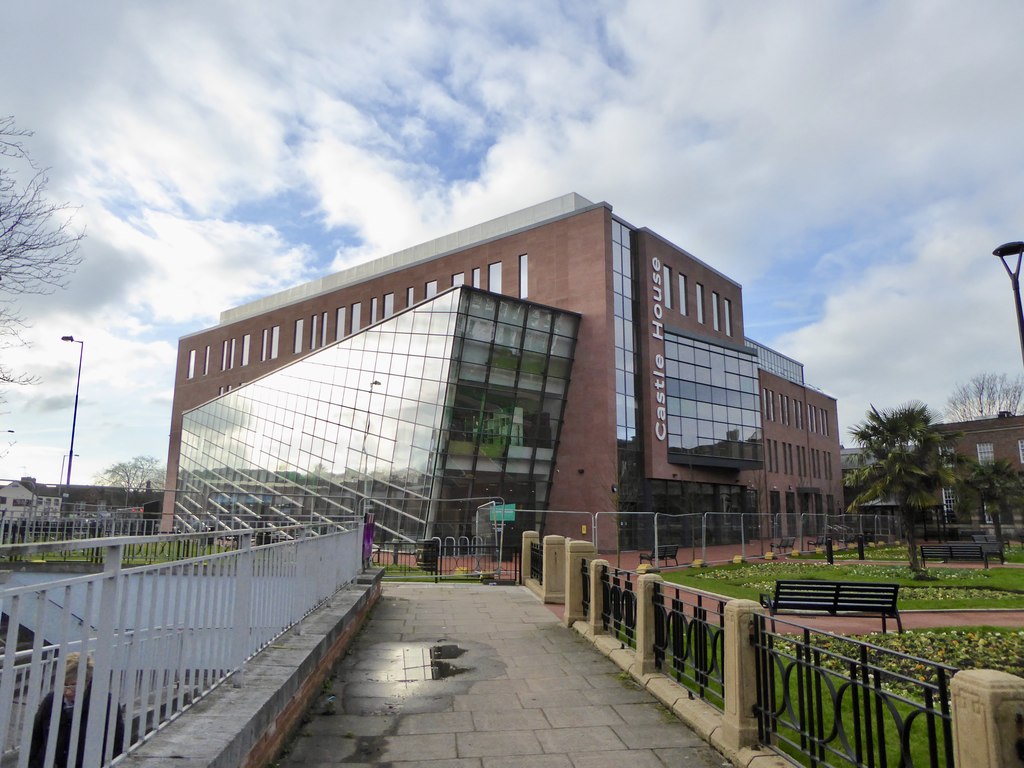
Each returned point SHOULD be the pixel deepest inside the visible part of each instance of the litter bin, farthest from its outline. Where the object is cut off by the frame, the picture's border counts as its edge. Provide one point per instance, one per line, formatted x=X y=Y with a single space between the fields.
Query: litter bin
x=427 y=555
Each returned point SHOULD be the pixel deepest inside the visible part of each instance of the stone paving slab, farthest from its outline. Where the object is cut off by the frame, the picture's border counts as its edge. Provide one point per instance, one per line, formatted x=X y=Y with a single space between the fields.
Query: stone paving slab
x=477 y=676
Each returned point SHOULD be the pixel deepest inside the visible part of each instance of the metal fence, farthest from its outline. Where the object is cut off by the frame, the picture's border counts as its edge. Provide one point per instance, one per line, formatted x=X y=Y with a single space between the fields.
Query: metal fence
x=67 y=528
x=447 y=559
x=689 y=640
x=158 y=636
x=828 y=700
x=618 y=614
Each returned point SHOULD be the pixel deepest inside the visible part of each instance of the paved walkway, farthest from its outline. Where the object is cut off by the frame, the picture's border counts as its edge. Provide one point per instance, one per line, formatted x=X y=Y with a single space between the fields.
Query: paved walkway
x=472 y=676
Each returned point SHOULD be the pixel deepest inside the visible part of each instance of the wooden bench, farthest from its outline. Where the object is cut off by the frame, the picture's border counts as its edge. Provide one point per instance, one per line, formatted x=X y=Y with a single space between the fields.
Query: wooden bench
x=991 y=544
x=664 y=552
x=835 y=598
x=785 y=544
x=963 y=552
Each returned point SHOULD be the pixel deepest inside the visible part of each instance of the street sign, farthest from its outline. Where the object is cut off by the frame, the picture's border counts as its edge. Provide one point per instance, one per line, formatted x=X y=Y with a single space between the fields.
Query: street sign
x=503 y=513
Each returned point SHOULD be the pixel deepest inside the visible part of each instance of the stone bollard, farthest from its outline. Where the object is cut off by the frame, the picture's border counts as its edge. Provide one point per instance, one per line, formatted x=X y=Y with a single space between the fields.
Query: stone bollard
x=554 y=569
x=575 y=553
x=644 y=663
x=988 y=718
x=739 y=726
x=596 y=596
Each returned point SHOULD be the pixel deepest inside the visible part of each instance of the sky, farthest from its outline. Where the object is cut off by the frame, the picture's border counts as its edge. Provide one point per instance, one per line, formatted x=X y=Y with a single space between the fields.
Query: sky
x=851 y=163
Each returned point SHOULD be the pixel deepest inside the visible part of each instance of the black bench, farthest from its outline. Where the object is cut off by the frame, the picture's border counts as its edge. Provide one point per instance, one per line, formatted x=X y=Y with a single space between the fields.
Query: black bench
x=663 y=552
x=785 y=544
x=977 y=553
x=834 y=598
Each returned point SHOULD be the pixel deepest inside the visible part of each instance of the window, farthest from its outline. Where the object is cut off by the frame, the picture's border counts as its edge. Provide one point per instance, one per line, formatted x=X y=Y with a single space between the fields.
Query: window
x=206 y=361
x=476 y=277
x=265 y=351
x=246 y=342
x=298 y=336
x=824 y=422
x=459 y=278
x=682 y=295
x=191 y=364
x=224 y=347
x=313 y=335
x=339 y=331
x=373 y=310
x=389 y=304
x=431 y=289
x=1020 y=450
x=666 y=275
x=524 y=273
x=357 y=316
x=494 y=277
x=410 y=296
x=714 y=310
x=699 y=300
x=275 y=340
x=986 y=454
x=323 y=329
x=727 y=316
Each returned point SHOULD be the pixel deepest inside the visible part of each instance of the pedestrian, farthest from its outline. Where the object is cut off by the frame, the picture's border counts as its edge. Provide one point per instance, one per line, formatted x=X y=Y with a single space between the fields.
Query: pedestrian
x=41 y=726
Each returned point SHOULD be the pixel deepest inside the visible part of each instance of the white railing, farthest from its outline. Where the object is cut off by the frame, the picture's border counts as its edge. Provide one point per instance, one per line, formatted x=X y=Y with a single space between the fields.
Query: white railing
x=159 y=636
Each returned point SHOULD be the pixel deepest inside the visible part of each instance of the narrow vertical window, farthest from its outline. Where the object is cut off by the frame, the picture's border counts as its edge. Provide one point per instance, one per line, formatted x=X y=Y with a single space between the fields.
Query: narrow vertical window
x=667 y=282
x=410 y=296
x=459 y=278
x=727 y=316
x=494 y=277
x=265 y=350
x=206 y=362
x=191 y=364
x=275 y=341
x=1020 y=450
x=246 y=342
x=357 y=316
x=313 y=335
x=682 y=295
x=298 y=336
x=323 y=329
x=524 y=276
x=430 y=289
x=224 y=355
x=339 y=330
x=714 y=310
x=373 y=310
x=389 y=304
x=699 y=301
x=476 y=277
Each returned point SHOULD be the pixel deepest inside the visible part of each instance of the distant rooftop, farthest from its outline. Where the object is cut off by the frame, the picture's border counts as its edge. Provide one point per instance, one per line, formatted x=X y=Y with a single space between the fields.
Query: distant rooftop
x=503 y=225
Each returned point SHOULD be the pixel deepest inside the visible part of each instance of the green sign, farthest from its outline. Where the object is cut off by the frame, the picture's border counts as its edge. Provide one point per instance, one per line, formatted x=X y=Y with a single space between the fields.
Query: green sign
x=503 y=513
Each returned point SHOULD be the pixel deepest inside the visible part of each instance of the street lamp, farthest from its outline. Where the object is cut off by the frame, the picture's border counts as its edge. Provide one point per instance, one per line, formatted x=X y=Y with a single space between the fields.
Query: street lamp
x=1014 y=249
x=74 y=417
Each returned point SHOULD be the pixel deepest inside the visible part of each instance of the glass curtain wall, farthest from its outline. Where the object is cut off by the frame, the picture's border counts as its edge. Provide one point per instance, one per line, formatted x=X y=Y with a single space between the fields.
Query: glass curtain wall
x=420 y=419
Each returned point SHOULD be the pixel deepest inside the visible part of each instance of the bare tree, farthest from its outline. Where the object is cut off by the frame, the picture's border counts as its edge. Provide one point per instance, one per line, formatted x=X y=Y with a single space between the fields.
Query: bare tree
x=138 y=474
x=985 y=395
x=38 y=243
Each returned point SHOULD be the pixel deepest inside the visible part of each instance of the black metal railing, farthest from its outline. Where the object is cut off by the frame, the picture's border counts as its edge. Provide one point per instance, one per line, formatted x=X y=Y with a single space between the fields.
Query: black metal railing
x=828 y=700
x=689 y=640
x=537 y=562
x=618 y=610
x=585 y=575
x=439 y=560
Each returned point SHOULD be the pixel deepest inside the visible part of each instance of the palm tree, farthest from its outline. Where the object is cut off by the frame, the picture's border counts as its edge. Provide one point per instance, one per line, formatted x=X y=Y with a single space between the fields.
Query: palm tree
x=906 y=460
x=995 y=484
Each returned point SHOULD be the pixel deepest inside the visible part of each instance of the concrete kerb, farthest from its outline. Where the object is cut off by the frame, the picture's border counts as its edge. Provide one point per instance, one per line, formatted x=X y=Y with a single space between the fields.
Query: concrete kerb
x=247 y=725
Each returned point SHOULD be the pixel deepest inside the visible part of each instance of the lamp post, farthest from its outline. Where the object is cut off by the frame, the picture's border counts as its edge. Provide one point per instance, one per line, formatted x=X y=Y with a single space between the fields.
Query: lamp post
x=1014 y=249
x=74 y=417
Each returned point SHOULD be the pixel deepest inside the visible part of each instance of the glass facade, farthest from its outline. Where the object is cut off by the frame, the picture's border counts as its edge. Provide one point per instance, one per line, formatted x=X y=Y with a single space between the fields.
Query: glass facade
x=421 y=419
x=777 y=363
x=714 y=415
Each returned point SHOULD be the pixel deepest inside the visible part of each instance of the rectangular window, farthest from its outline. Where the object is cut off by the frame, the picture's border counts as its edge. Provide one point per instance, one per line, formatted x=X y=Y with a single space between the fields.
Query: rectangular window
x=524 y=276
x=476 y=277
x=389 y=304
x=699 y=301
x=824 y=422
x=430 y=289
x=357 y=316
x=459 y=278
x=298 y=336
x=206 y=361
x=682 y=294
x=1020 y=450
x=494 y=277
x=339 y=329
x=986 y=453
x=323 y=329
x=191 y=364
x=246 y=342
x=714 y=310
x=224 y=355
x=727 y=316
x=410 y=296
x=265 y=350
x=314 y=321
x=373 y=310
x=666 y=275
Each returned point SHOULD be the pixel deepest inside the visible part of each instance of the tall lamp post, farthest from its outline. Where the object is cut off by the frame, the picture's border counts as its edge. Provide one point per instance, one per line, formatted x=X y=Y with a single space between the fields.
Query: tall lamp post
x=74 y=417
x=1014 y=249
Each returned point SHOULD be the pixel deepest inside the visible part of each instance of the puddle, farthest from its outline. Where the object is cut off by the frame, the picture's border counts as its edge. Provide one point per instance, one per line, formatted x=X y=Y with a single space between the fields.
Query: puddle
x=433 y=662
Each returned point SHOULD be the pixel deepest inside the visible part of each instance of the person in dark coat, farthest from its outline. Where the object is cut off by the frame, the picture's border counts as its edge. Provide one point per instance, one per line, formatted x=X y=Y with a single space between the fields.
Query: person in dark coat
x=41 y=725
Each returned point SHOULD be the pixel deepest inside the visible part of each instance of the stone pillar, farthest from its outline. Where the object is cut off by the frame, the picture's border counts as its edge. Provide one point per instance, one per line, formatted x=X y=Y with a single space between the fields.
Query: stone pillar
x=554 y=569
x=988 y=718
x=596 y=596
x=644 y=664
x=739 y=726
x=526 y=560
x=575 y=553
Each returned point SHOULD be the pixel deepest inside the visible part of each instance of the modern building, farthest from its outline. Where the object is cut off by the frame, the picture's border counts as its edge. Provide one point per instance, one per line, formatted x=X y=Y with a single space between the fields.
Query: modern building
x=558 y=361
